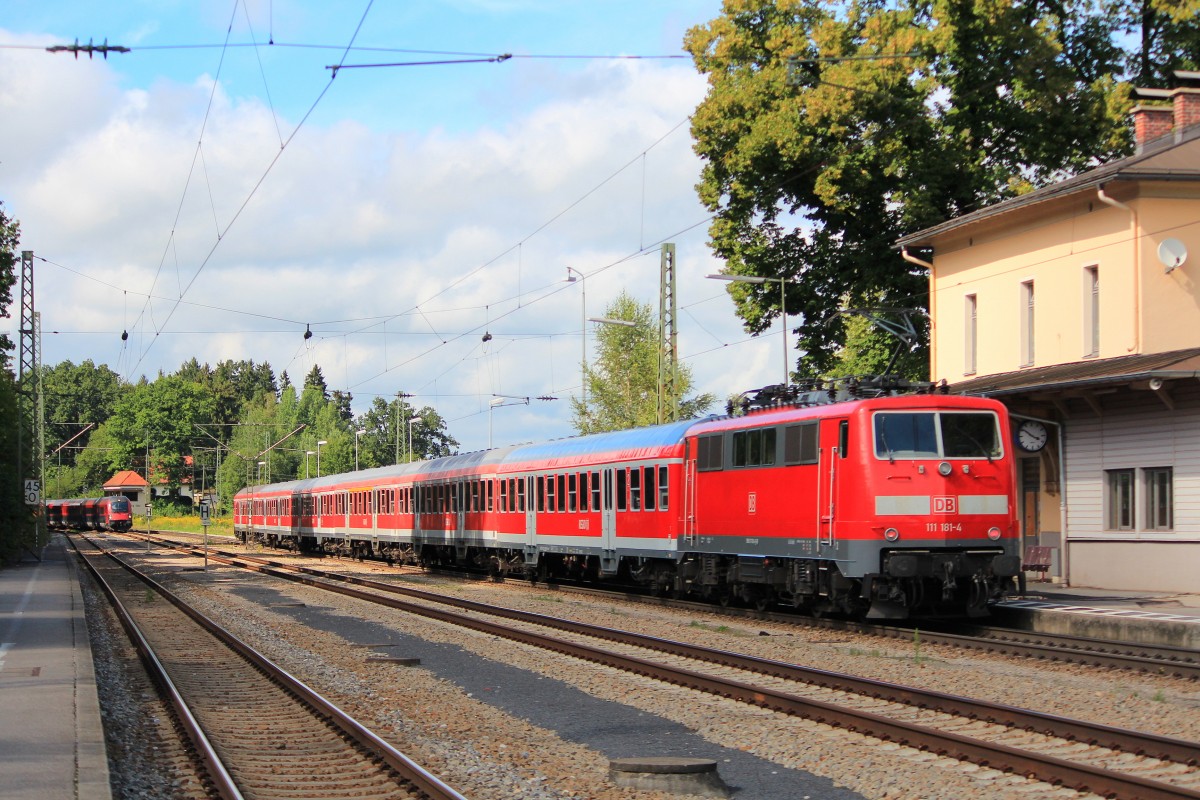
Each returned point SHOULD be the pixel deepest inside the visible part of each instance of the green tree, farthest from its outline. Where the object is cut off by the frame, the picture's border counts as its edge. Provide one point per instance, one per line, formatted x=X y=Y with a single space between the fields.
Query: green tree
x=17 y=531
x=622 y=380
x=830 y=129
x=76 y=395
x=10 y=236
x=162 y=416
x=315 y=380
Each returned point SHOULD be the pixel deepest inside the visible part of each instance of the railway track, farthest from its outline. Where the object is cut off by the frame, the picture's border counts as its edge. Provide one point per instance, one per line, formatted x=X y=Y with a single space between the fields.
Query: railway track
x=1148 y=659
x=1083 y=756
x=258 y=731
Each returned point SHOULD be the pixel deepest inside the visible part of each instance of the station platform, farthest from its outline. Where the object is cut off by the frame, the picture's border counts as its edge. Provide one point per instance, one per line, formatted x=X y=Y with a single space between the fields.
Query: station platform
x=1159 y=618
x=51 y=736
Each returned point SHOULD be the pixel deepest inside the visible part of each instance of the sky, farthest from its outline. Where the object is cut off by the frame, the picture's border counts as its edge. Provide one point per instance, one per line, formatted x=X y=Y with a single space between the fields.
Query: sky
x=218 y=190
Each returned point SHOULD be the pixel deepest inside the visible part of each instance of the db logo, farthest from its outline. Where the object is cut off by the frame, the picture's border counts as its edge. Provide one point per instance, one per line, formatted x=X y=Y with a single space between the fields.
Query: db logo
x=752 y=499
x=945 y=505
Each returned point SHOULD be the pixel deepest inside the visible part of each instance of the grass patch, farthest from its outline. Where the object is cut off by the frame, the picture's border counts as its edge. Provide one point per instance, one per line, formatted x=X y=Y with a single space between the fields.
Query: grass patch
x=189 y=523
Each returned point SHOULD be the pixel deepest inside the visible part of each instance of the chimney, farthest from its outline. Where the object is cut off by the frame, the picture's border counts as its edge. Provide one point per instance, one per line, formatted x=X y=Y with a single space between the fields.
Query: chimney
x=1186 y=100
x=1152 y=122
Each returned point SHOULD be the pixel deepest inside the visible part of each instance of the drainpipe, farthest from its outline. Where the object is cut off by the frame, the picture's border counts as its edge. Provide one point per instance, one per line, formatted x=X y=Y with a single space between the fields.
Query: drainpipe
x=1137 y=267
x=932 y=305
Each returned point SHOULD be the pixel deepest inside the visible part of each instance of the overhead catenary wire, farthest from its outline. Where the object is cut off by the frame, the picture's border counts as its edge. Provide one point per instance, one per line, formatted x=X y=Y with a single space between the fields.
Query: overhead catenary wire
x=270 y=166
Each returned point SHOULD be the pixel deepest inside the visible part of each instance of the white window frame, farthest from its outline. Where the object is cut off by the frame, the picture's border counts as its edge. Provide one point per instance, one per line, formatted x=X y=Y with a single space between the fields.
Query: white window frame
x=1091 y=311
x=1027 y=320
x=971 y=334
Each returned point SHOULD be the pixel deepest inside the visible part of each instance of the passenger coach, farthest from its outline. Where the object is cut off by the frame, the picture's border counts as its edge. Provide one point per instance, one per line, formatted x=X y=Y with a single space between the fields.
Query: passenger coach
x=889 y=506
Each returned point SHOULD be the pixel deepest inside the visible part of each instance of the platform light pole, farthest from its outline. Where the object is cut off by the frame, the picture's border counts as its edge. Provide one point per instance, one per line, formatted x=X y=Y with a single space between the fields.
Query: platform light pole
x=319 y=456
x=783 y=282
x=307 y=453
x=410 y=436
x=357 y=434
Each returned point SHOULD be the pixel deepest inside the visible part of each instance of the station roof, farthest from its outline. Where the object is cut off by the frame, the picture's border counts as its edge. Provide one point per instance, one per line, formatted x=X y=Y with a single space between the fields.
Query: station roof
x=1078 y=375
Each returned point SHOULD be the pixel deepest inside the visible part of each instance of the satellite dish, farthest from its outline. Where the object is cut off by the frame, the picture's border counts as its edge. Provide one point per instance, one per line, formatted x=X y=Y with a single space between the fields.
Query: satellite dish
x=1172 y=253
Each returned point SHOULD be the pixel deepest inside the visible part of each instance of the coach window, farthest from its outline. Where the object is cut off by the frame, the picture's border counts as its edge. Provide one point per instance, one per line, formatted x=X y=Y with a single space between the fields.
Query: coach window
x=650 y=498
x=521 y=494
x=562 y=492
x=622 y=493
x=583 y=491
x=491 y=493
x=595 y=491
x=635 y=489
x=572 y=492
x=663 y=495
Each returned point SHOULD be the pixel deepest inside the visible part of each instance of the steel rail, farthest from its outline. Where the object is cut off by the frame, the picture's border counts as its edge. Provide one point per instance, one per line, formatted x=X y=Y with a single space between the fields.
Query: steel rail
x=1166 y=748
x=427 y=783
x=217 y=772
x=1080 y=777
x=1156 y=660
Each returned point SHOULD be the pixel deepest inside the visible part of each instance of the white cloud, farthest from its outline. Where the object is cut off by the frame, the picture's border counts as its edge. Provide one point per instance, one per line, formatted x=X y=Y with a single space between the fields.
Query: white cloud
x=358 y=221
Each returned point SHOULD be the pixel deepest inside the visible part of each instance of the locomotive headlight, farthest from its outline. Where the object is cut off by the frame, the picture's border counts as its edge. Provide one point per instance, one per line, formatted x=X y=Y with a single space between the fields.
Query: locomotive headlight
x=993 y=533
x=944 y=469
x=891 y=534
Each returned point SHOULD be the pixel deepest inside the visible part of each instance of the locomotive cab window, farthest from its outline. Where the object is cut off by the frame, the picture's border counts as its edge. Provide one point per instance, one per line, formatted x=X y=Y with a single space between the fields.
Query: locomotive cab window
x=932 y=434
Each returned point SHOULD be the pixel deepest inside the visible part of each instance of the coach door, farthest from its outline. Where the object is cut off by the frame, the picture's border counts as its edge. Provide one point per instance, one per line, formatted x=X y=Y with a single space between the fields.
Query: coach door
x=527 y=501
x=838 y=432
x=608 y=525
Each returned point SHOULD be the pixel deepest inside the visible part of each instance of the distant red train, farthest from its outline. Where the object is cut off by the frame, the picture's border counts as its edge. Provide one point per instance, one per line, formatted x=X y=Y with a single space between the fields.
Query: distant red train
x=112 y=513
x=885 y=507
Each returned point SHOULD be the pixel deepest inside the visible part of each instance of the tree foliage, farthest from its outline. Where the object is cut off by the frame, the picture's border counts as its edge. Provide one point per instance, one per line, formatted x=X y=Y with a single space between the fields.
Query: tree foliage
x=830 y=129
x=17 y=530
x=622 y=380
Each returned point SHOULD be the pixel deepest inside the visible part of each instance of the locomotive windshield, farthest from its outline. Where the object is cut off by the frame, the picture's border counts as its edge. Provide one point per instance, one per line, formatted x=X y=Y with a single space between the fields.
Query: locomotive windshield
x=936 y=434
x=120 y=505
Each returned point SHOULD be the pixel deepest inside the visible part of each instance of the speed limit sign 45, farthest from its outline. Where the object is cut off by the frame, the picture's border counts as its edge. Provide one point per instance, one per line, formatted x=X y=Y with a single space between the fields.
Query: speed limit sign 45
x=33 y=493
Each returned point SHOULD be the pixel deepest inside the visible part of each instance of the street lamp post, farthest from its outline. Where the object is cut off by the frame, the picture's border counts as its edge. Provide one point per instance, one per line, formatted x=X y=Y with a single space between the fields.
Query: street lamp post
x=307 y=453
x=319 y=456
x=783 y=282
x=410 y=436
x=357 y=434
